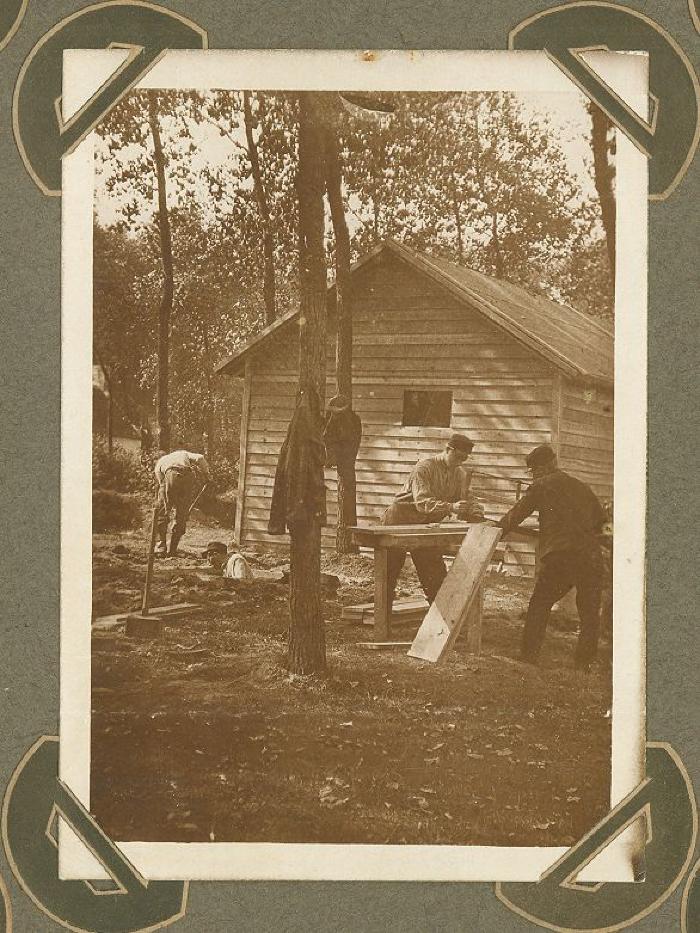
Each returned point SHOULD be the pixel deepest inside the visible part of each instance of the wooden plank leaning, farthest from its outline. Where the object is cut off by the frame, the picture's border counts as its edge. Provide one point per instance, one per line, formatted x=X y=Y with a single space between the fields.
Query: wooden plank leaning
x=456 y=596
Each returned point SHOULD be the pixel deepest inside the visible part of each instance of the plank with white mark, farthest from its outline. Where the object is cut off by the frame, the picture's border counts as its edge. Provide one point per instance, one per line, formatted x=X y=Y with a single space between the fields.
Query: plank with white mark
x=454 y=600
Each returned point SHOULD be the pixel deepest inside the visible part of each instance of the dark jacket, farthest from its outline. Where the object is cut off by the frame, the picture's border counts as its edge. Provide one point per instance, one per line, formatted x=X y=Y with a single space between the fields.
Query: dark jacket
x=342 y=435
x=571 y=517
x=299 y=493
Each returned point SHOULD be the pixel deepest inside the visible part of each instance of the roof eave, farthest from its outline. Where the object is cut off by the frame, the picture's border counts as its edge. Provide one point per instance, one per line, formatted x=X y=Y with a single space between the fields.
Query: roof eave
x=460 y=291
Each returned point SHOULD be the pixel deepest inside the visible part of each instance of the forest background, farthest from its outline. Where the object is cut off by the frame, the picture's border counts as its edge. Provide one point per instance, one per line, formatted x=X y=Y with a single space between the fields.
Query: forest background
x=196 y=236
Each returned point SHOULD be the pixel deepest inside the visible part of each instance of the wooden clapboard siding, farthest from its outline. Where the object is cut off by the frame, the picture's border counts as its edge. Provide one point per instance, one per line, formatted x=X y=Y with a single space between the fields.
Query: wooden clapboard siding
x=587 y=435
x=410 y=333
x=243 y=454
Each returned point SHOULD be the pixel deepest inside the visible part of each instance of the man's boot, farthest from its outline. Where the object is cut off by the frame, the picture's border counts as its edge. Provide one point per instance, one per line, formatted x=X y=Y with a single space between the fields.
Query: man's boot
x=174 y=541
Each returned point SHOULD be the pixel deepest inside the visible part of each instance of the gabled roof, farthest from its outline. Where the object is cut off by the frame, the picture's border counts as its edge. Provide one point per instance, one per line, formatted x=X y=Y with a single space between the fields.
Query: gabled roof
x=574 y=342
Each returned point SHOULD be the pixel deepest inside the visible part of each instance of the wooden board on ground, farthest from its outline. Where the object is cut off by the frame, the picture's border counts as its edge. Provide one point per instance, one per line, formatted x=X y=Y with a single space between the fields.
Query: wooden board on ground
x=456 y=596
x=169 y=612
x=382 y=645
x=409 y=610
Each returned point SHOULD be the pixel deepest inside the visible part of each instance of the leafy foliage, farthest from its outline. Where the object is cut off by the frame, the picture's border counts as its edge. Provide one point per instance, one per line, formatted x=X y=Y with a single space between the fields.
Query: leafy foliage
x=478 y=178
x=118 y=470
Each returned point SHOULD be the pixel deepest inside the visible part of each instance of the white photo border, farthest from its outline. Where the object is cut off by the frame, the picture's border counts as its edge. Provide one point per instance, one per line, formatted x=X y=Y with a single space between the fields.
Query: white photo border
x=84 y=72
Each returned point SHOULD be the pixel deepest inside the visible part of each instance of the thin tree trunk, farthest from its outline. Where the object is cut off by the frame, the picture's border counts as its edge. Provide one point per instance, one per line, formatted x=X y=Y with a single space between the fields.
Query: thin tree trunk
x=306 y=651
x=110 y=402
x=496 y=246
x=110 y=422
x=347 y=504
x=495 y=242
x=264 y=212
x=458 y=227
x=603 y=173
x=166 y=256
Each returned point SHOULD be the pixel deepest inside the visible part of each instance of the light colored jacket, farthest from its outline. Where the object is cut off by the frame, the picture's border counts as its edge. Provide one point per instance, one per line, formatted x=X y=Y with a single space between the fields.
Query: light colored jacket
x=182 y=461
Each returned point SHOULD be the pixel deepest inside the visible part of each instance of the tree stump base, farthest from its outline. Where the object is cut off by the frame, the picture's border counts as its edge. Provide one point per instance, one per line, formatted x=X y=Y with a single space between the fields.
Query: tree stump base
x=143 y=626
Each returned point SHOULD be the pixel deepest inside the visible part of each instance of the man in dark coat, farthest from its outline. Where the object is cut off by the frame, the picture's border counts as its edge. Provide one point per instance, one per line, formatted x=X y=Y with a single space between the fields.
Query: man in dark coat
x=571 y=519
x=342 y=434
x=436 y=487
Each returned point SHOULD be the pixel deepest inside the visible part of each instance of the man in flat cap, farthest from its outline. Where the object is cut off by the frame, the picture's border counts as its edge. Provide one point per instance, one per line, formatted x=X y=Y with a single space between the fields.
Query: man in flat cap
x=571 y=519
x=436 y=487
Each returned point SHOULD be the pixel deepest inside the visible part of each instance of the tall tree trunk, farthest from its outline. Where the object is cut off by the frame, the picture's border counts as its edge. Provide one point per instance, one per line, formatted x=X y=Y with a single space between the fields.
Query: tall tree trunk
x=110 y=422
x=166 y=257
x=603 y=173
x=347 y=494
x=490 y=206
x=264 y=211
x=109 y=427
x=458 y=227
x=496 y=246
x=306 y=652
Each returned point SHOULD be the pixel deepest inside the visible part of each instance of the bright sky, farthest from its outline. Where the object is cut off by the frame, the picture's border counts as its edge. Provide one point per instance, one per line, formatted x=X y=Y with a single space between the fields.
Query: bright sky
x=566 y=113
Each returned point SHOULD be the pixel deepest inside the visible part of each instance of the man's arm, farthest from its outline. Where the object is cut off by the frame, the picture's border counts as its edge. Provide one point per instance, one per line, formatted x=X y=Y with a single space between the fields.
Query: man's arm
x=521 y=510
x=424 y=499
x=202 y=468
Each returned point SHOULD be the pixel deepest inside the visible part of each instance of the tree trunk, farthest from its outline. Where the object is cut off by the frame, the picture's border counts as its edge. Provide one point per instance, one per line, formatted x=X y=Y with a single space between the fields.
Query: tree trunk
x=347 y=504
x=166 y=256
x=490 y=206
x=110 y=422
x=496 y=246
x=603 y=174
x=306 y=652
x=458 y=227
x=264 y=211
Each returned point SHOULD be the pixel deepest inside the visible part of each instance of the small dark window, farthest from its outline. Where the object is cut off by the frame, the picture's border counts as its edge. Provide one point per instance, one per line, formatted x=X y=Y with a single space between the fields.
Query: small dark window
x=427 y=409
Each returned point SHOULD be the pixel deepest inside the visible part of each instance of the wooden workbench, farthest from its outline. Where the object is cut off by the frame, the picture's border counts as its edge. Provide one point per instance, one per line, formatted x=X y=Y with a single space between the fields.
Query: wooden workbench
x=382 y=538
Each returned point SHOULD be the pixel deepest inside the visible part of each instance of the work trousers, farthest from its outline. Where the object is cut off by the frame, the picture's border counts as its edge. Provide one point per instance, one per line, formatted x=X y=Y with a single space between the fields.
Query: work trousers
x=558 y=573
x=175 y=494
x=428 y=562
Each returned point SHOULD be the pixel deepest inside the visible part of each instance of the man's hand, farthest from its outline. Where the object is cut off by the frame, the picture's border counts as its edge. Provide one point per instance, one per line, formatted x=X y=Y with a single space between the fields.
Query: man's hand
x=468 y=510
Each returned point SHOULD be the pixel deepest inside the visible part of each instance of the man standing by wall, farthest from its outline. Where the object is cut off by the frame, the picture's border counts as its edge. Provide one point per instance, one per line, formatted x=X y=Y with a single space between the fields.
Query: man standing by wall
x=571 y=519
x=437 y=487
x=177 y=475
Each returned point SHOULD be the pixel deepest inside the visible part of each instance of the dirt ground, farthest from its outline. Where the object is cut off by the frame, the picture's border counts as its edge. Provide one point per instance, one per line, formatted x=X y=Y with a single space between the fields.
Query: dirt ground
x=202 y=735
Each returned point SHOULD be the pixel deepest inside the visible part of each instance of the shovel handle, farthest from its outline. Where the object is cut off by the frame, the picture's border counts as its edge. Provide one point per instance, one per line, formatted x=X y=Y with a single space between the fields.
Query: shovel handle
x=197 y=498
x=149 y=566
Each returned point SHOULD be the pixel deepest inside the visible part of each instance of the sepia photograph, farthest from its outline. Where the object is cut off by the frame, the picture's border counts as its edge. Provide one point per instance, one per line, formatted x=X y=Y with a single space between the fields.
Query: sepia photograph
x=354 y=414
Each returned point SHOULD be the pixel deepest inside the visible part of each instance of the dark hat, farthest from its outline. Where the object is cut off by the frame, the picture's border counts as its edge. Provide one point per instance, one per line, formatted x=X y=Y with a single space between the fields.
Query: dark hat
x=339 y=402
x=461 y=443
x=540 y=456
x=215 y=547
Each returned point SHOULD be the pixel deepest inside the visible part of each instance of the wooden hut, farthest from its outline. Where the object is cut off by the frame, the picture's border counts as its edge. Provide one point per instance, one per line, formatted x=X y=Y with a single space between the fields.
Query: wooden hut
x=437 y=348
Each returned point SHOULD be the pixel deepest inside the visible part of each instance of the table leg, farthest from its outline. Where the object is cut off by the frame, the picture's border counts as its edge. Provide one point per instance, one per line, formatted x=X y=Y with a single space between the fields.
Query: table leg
x=382 y=612
x=473 y=622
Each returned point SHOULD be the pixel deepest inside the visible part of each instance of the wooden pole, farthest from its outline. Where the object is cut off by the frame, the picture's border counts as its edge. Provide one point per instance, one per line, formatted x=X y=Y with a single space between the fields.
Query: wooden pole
x=149 y=566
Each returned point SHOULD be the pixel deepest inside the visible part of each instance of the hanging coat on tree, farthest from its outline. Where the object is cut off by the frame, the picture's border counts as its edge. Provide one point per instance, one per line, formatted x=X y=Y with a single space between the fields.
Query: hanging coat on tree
x=299 y=493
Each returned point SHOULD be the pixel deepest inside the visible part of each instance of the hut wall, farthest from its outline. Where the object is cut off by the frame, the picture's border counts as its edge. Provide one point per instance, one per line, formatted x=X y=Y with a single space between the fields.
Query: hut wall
x=409 y=335
x=586 y=435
